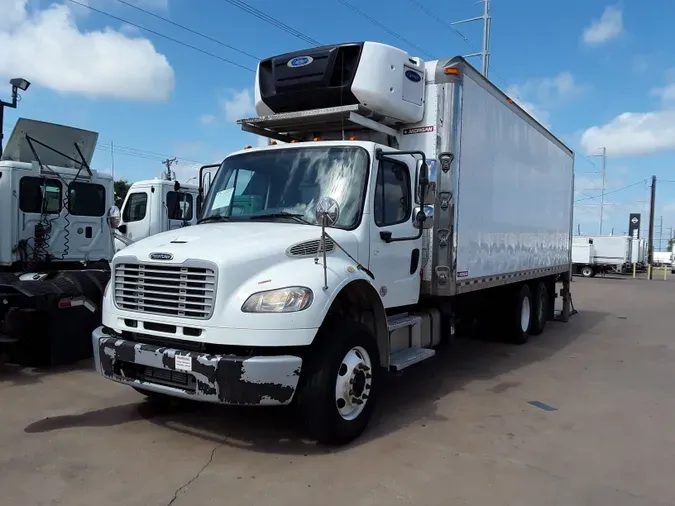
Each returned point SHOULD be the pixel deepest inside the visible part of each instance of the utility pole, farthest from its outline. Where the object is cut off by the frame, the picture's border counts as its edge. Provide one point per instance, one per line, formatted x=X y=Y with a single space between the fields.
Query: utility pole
x=168 y=163
x=660 y=233
x=602 y=194
x=486 y=18
x=650 y=247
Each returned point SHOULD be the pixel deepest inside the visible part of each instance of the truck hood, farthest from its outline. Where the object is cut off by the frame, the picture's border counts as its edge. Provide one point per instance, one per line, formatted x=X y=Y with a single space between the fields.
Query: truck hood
x=231 y=243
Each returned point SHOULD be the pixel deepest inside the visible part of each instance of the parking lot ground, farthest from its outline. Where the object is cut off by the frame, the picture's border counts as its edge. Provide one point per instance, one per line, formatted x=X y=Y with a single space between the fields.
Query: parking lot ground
x=582 y=415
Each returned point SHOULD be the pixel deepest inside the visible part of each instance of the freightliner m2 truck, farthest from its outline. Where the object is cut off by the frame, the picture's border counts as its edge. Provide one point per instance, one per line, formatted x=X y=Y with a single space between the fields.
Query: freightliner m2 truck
x=405 y=198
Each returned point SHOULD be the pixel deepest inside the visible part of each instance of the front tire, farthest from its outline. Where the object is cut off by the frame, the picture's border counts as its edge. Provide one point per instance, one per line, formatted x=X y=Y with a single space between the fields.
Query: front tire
x=340 y=388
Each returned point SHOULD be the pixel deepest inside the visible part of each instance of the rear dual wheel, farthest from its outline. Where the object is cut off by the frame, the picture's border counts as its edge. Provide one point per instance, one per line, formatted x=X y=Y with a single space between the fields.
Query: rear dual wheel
x=528 y=313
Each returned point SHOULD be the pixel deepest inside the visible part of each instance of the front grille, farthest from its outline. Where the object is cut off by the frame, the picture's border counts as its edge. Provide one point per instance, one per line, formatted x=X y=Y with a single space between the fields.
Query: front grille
x=165 y=289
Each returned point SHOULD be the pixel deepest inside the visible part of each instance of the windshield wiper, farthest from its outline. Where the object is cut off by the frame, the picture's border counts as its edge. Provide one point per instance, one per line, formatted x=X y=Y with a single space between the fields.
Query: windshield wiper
x=294 y=216
x=215 y=217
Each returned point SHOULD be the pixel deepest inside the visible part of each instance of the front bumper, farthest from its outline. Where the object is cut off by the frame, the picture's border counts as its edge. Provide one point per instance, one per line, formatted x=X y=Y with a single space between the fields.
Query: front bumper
x=225 y=379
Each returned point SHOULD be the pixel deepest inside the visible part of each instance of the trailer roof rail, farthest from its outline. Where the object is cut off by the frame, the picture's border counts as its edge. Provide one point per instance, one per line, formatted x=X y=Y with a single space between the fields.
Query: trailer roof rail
x=297 y=125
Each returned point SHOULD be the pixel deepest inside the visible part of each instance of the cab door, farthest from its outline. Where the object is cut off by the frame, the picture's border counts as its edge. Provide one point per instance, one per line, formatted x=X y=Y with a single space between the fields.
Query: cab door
x=395 y=265
x=179 y=208
x=136 y=215
x=86 y=207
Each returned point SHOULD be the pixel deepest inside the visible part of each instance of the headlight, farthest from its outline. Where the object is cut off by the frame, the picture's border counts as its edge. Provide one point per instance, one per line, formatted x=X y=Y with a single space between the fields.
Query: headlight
x=282 y=300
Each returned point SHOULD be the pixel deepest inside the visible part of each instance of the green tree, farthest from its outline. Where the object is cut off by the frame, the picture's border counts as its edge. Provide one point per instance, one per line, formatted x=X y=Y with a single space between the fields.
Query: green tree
x=671 y=242
x=121 y=189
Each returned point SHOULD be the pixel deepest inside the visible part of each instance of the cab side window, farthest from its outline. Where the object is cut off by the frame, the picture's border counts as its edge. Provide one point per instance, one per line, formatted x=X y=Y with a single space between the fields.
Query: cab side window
x=135 y=207
x=179 y=205
x=392 y=194
x=38 y=195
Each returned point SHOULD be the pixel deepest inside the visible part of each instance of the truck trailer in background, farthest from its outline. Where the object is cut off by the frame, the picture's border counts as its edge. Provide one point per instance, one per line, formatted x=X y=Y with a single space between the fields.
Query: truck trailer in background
x=606 y=253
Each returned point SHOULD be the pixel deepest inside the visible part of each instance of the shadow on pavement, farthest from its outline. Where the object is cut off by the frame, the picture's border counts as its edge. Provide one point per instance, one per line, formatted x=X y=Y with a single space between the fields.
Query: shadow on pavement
x=407 y=400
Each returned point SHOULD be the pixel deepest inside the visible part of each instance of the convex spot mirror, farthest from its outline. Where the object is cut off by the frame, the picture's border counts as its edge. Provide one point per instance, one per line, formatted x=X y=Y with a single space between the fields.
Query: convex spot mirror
x=114 y=217
x=424 y=217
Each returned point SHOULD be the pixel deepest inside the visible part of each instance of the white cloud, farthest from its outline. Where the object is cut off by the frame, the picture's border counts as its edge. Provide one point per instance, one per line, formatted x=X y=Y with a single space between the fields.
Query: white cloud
x=239 y=105
x=608 y=27
x=667 y=92
x=633 y=133
x=49 y=49
x=539 y=95
x=207 y=119
x=637 y=133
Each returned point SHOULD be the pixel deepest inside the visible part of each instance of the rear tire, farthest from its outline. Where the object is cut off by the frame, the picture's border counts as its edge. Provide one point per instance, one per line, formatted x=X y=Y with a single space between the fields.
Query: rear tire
x=541 y=306
x=587 y=271
x=340 y=384
x=520 y=315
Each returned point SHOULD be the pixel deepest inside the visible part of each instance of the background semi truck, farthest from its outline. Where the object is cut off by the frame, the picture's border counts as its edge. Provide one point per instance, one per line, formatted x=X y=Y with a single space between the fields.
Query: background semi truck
x=56 y=238
x=55 y=243
x=407 y=198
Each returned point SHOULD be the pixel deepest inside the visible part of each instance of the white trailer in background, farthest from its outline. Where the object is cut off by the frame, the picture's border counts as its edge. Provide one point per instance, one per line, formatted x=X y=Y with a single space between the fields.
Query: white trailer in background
x=409 y=197
x=609 y=253
x=663 y=259
x=638 y=253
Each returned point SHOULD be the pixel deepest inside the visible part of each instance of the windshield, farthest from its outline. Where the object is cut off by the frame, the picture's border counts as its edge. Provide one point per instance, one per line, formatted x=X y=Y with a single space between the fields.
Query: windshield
x=289 y=181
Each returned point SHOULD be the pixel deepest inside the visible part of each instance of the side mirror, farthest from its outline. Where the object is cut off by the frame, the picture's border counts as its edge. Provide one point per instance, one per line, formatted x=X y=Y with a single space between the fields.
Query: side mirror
x=426 y=177
x=424 y=217
x=114 y=217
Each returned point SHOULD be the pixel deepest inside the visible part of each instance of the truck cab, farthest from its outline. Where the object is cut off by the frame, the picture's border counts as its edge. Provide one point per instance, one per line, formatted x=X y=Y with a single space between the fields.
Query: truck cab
x=155 y=205
x=54 y=206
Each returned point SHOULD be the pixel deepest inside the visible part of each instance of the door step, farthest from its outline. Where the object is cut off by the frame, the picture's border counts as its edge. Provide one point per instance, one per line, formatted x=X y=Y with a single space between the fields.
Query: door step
x=410 y=356
x=400 y=321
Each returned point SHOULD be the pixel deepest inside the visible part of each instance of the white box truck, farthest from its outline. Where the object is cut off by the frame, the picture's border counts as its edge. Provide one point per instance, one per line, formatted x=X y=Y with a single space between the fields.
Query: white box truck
x=407 y=197
x=610 y=253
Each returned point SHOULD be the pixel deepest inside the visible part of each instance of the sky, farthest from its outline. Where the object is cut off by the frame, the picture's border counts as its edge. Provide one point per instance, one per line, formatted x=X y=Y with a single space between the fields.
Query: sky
x=598 y=74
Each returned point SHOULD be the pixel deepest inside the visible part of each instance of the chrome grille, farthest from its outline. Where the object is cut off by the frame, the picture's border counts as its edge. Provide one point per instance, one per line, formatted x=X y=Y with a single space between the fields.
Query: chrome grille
x=310 y=248
x=165 y=289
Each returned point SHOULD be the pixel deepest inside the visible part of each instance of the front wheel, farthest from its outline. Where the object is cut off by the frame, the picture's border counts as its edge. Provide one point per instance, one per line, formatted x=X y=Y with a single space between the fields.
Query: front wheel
x=338 y=393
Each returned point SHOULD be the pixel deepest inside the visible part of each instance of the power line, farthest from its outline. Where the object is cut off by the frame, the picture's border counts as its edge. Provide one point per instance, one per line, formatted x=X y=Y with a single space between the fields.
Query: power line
x=443 y=22
x=272 y=21
x=162 y=35
x=385 y=28
x=241 y=51
x=614 y=191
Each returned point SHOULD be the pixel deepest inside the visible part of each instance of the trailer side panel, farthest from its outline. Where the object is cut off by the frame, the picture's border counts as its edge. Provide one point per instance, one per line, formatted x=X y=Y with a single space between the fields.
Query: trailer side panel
x=513 y=217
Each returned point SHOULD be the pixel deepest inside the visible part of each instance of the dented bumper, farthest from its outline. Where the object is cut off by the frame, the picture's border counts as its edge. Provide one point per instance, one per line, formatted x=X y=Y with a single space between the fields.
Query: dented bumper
x=225 y=379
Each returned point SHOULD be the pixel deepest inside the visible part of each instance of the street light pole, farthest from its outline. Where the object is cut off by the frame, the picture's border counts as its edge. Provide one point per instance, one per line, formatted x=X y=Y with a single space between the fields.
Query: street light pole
x=17 y=83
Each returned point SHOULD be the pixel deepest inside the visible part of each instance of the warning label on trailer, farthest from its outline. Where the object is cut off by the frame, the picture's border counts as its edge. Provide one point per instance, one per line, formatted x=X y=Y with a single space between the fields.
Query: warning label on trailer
x=418 y=130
